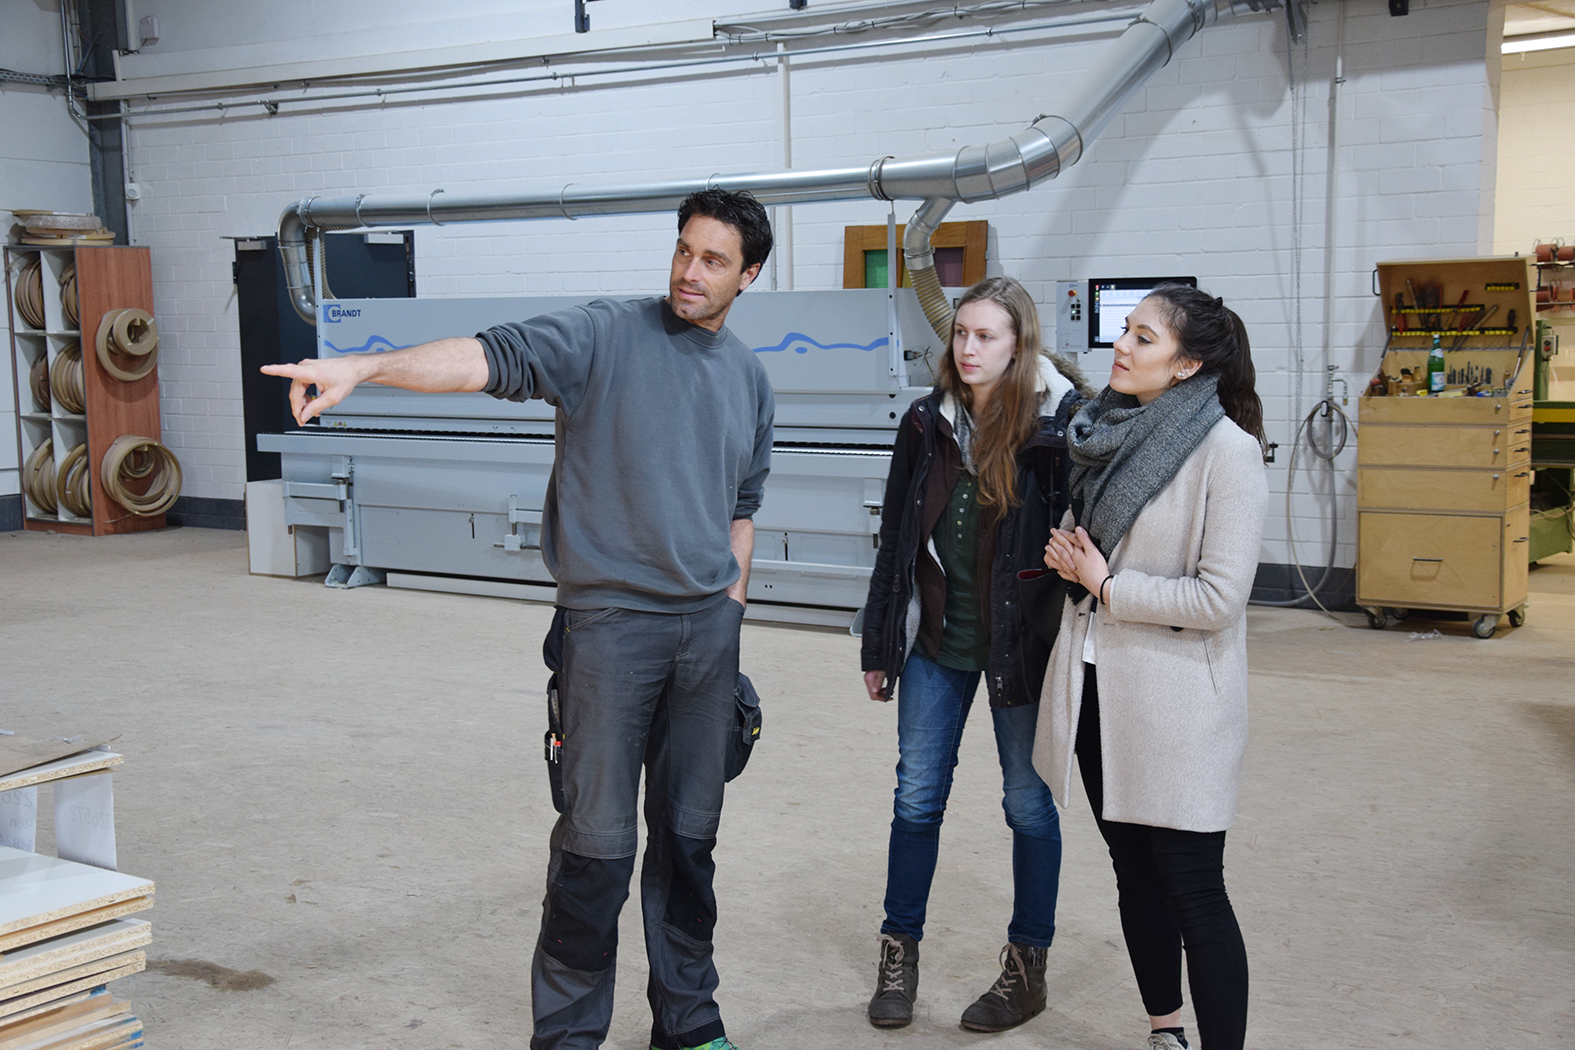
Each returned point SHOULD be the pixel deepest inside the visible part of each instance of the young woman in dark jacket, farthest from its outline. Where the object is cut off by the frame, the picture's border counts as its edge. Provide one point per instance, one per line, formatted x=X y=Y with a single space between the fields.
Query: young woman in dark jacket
x=960 y=592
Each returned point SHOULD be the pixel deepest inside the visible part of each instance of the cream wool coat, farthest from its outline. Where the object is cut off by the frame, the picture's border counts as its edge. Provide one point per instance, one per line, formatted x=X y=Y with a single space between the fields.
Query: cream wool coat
x=1172 y=703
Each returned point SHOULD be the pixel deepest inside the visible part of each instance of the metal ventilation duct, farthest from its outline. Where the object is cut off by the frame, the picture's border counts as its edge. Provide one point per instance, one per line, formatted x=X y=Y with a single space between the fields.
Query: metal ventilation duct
x=1041 y=151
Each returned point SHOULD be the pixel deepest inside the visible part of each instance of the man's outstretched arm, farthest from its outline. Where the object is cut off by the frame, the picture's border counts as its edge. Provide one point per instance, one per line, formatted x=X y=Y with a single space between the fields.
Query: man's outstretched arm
x=440 y=367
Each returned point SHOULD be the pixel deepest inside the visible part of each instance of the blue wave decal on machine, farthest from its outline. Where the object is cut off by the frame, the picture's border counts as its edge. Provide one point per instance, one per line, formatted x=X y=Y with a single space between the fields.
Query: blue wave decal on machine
x=375 y=345
x=797 y=341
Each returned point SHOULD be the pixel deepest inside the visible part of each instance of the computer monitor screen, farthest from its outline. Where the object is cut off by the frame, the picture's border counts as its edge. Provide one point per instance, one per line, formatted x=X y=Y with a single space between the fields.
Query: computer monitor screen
x=1110 y=299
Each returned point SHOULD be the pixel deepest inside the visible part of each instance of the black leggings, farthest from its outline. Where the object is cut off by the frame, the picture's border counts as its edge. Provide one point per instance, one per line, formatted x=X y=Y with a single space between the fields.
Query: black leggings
x=1171 y=888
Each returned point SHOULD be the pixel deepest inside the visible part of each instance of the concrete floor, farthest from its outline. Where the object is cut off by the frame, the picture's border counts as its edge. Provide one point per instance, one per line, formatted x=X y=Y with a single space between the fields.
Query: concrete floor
x=344 y=791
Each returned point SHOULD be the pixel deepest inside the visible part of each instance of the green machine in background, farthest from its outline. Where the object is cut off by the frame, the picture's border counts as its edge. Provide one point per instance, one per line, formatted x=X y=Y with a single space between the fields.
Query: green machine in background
x=1552 y=457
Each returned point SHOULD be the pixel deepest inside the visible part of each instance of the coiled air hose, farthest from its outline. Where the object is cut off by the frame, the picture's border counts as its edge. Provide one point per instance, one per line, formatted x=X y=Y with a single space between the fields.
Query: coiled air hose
x=65 y=379
x=132 y=459
x=30 y=293
x=38 y=476
x=72 y=482
x=127 y=343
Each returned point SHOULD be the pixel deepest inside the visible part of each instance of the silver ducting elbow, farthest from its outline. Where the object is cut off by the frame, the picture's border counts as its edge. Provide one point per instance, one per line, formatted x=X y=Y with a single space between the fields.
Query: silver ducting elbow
x=302 y=251
x=920 y=257
x=293 y=232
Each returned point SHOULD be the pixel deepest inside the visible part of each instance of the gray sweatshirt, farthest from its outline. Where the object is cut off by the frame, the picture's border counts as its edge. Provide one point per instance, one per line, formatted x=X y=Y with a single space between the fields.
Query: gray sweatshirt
x=664 y=439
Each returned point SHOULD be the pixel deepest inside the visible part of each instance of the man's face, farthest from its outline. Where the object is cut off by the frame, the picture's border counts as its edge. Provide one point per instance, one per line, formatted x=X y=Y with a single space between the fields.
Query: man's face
x=707 y=272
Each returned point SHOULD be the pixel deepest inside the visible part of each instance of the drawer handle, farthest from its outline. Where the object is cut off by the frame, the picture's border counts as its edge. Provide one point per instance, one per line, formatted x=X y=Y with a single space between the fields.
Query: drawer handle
x=1526 y=431
x=1439 y=560
x=1495 y=452
x=1521 y=540
x=1524 y=474
x=1523 y=450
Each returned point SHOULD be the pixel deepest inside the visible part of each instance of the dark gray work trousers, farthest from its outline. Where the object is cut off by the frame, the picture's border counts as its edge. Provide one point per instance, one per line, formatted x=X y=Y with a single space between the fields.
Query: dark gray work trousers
x=651 y=690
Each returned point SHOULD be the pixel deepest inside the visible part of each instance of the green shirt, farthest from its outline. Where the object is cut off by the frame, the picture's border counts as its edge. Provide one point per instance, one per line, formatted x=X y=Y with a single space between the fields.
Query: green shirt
x=965 y=644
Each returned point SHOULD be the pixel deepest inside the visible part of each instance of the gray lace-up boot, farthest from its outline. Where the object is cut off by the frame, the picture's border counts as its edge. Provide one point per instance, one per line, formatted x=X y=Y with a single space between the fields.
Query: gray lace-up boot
x=896 y=981
x=1017 y=995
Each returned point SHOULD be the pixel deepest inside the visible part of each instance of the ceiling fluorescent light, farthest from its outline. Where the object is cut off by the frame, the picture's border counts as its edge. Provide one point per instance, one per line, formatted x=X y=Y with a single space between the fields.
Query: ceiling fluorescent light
x=1541 y=42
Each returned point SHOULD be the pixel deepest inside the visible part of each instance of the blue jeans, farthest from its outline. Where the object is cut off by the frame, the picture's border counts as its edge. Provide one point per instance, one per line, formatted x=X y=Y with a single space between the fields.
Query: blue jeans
x=932 y=706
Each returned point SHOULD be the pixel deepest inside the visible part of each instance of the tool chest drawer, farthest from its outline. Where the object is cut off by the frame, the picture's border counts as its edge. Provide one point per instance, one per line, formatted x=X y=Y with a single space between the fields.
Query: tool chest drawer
x=1428 y=560
x=1432 y=446
x=1401 y=488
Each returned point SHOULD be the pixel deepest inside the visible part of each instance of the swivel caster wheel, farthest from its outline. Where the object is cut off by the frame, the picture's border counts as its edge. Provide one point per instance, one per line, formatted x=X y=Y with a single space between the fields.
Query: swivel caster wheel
x=1398 y=615
x=1517 y=616
x=1377 y=618
x=1484 y=626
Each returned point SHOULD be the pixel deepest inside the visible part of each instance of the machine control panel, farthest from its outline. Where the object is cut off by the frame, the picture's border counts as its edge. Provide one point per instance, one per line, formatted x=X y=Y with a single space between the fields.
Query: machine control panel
x=1071 y=323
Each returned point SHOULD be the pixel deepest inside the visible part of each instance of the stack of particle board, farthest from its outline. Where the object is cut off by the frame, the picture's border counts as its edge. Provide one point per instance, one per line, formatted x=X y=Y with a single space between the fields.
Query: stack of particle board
x=63 y=934
x=92 y=1020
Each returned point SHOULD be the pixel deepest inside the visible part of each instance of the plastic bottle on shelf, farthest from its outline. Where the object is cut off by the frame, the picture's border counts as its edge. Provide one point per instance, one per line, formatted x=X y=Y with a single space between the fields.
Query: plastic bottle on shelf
x=1435 y=367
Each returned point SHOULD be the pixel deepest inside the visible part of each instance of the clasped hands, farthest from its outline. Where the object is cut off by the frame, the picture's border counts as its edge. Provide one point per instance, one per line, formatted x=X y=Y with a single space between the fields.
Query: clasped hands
x=1074 y=555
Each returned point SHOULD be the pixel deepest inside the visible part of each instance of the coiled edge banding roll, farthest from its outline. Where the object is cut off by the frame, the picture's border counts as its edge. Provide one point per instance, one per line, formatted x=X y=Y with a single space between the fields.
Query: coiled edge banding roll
x=129 y=333
x=30 y=294
x=65 y=379
x=72 y=488
x=38 y=476
x=38 y=380
x=135 y=457
x=68 y=295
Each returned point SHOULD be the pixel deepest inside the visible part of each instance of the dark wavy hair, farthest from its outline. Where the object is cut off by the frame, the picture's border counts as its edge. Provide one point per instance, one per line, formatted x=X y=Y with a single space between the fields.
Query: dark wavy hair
x=1210 y=333
x=739 y=210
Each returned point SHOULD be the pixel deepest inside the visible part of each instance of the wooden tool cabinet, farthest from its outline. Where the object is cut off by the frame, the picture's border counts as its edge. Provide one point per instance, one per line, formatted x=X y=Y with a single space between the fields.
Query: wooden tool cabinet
x=1444 y=483
x=107 y=278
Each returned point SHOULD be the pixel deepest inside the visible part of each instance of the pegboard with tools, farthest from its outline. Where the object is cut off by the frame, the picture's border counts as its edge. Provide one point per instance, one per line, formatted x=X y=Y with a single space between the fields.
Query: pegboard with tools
x=1481 y=310
x=1469 y=303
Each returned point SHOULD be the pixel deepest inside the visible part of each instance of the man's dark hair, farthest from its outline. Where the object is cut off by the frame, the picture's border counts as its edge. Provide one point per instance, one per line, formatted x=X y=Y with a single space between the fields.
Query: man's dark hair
x=739 y=210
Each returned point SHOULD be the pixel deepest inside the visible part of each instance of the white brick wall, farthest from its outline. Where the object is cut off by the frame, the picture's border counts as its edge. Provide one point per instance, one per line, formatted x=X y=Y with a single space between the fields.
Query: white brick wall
x=1536 y=155
x=1536 y=176
x=1196 y=176
x=43 y=164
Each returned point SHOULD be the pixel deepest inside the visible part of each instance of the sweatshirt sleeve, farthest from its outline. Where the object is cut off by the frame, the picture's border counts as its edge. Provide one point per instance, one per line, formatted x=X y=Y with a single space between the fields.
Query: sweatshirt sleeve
x=547 y=357
x=754 y=486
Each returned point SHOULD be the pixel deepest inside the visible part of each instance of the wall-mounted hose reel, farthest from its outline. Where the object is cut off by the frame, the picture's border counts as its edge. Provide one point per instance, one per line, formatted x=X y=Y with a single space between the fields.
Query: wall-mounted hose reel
x=127 y=343
x=141 y=475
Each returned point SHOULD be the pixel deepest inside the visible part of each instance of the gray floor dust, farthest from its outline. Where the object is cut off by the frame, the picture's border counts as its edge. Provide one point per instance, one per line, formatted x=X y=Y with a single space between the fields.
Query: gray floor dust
x=341 y=798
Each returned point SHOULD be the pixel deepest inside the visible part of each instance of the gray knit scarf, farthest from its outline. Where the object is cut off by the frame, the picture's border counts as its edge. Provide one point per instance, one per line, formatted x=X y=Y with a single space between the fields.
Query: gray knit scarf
x=1123 y=453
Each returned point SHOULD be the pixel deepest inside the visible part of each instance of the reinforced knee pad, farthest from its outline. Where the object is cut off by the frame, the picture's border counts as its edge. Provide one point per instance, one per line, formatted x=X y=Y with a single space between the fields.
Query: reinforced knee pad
x=580 y=925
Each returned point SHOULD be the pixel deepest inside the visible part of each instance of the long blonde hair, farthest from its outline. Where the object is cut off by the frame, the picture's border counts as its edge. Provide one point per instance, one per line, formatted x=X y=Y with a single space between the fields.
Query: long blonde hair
x=1005 y=422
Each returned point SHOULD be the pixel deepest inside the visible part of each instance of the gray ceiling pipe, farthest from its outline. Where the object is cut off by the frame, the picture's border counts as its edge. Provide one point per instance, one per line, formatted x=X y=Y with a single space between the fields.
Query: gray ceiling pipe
x=1041 y=151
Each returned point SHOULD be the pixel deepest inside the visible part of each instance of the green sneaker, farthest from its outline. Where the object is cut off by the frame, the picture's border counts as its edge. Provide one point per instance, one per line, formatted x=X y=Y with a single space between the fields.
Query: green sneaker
x=723 y=1043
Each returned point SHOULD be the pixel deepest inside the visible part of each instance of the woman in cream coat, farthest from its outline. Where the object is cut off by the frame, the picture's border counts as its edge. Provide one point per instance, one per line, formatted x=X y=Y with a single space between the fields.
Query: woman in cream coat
x=1147 y=683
